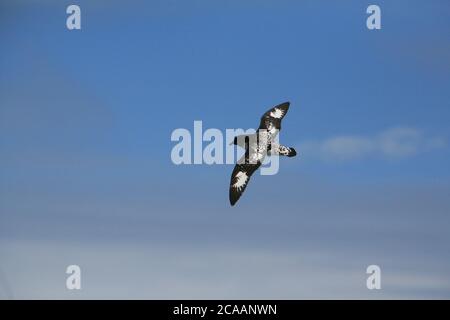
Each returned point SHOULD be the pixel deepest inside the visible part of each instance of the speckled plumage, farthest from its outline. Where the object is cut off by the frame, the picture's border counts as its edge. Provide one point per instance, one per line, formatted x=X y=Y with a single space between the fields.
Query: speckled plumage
x=257 y=146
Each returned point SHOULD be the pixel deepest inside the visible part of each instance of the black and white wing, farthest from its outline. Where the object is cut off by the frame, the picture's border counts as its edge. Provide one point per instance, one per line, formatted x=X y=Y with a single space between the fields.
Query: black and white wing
x=272 y=118
x=240 y=178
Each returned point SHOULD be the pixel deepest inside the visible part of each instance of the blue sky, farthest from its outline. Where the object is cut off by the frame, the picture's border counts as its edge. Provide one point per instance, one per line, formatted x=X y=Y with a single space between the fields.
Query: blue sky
x=85 y=124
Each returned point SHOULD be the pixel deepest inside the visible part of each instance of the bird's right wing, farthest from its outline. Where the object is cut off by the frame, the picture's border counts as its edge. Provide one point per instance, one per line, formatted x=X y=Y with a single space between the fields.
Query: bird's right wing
x=274 y=116
x=240 y=178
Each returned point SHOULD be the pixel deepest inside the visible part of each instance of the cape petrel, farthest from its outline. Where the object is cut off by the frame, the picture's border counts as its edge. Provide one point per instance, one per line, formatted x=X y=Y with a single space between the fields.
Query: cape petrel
x=257 y=146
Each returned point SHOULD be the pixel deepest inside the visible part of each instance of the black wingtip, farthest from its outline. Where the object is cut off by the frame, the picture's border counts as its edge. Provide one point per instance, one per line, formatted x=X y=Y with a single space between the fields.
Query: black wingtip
x=284 y=106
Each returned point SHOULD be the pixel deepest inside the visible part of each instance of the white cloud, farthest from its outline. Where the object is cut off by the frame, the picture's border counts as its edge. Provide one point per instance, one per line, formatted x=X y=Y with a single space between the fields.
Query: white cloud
x=394 y=142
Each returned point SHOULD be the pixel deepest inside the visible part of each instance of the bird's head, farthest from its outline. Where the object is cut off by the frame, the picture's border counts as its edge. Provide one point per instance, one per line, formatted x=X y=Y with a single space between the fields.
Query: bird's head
x=234 y=141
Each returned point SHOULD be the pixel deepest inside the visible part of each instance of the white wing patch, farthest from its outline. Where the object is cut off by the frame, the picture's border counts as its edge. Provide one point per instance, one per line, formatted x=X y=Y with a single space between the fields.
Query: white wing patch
x=241 y=180
x=277 y=113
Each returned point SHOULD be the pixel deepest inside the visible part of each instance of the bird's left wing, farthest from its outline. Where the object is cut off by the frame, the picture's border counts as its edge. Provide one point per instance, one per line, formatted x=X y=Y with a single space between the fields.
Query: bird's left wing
x=240 y=178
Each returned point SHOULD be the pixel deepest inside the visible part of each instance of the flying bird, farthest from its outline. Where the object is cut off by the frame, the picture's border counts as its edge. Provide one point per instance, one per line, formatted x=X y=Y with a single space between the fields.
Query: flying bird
x=257 y=146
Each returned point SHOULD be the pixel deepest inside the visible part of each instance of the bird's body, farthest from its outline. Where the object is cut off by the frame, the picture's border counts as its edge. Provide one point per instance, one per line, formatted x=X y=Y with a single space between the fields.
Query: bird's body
x=257 y=147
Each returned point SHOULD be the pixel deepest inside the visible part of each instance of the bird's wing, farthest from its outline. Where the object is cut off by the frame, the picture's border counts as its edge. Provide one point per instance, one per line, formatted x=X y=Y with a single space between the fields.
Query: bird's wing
x=274 y=116
x=240 y=178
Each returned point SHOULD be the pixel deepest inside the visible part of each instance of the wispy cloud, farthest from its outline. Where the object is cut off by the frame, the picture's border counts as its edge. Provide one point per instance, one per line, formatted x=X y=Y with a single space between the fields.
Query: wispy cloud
x=396 y=142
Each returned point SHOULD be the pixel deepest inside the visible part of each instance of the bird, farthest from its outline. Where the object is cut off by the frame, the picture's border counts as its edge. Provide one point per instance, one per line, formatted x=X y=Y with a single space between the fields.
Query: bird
x=257 y=146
